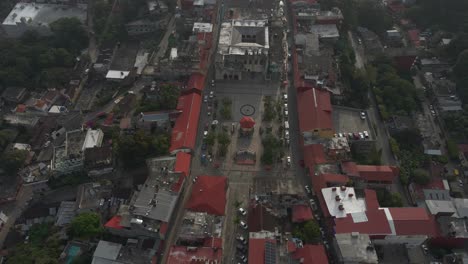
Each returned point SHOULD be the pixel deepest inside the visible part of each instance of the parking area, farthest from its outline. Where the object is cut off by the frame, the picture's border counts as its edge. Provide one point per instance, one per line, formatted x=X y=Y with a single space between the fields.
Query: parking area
x=348 y=120
x=238 y=197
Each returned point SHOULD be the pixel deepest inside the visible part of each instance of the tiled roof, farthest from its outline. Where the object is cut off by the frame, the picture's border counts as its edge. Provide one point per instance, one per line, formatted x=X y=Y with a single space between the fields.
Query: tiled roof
x=301 y=213
x=315 y=111
x=185 y=129
x=311 y=254
x=257 y=249
x=377 y=173
x=208 y=195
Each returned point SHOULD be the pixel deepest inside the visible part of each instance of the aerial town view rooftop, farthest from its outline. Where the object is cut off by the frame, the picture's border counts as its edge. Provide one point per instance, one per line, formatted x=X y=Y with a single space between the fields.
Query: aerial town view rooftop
x=233 y=131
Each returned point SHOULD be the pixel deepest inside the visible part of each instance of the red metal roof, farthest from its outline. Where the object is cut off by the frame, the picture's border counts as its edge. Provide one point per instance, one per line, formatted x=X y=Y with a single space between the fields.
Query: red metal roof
x=247 y=122
x=376 y=224
x=377 y=173
x=349 y=168
x=184 y=132
x=163 y=228
x=196 y=81
x=182 y=163
x=301 y=213
x=209 y=195
x=291 y=246
x=177 y=186
x=260 y=219
x=413 y=35
x=114 y=222
x=311 y=254
x=413 y=221
x=181 y=255
x=371 y=199
x=315 y=111
x=216 y=242
x=314 y=154
x=404 y=63
x=257 y=249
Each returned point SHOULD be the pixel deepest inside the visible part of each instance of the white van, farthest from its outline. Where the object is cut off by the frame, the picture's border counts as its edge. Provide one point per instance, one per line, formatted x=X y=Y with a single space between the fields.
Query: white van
x=286 y=124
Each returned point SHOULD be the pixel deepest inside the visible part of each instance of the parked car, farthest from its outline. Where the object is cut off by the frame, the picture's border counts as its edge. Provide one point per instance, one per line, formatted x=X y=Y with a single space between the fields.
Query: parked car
x=286 y=134
x=307 y=188
x=363 y=115
x=242 y=240
x=211 y=94
x=286 y=113
x=243 y=225
x=242 y=211
x=243 y=258
x=288 y=160
x=285 y=97
x=203 y=146
x=241 y=248
x=205 y=98
x=433 y=113
x=361 y=135
x=366 y=134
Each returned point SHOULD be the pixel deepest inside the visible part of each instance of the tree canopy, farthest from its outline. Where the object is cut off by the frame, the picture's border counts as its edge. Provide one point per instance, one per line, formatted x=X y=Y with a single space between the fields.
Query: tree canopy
x=388 y=199
x=41 y=62
x=86 y=225
x=421 y=176
x=133 y=149
x=12 y=161
x=308 y=232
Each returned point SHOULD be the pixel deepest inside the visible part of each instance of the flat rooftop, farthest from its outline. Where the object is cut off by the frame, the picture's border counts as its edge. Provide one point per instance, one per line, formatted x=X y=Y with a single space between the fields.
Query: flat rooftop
x=348 y=120
x=354 y=248
x=42 y=14
x=240 y=36
x=155 y=199
x=197 y=225
x=342 y=201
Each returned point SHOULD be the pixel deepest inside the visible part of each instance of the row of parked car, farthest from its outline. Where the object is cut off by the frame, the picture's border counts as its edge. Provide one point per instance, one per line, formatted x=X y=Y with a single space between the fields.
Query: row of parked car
x=353 y=136
x=241 y=246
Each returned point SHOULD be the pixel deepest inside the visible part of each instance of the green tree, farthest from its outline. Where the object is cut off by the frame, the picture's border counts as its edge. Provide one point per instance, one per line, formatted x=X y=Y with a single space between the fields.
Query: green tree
x=461 y=67
x=452 y=149
x=308 y=232
x=86 y=226
x=169 y=94
x=421 y=177
x=70 y=34
x=224 y=138
x=39 y=233
x=394 y=146
x=210 y=139
x=387 y=199
x=12 y=161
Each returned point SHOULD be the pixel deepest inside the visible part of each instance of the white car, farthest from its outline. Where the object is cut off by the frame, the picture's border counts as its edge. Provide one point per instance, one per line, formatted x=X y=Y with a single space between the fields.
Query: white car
x=288 y=160
x=366 y=134
x=205 y=133
x=242 y=211
x=205 y=98
x=212 y=82
x=242 y=240
x=307 y=188
x=286 y=134
x=211 y=94
x=243 y=225
x=286 y=113
x=433 y=113
x=363 y=115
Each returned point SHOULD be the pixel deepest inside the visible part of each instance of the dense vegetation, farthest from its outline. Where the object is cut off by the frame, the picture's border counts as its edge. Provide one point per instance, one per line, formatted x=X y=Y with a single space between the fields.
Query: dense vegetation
x=42 y=62
x=133 y=150
x=395 y=95
x=449 y=15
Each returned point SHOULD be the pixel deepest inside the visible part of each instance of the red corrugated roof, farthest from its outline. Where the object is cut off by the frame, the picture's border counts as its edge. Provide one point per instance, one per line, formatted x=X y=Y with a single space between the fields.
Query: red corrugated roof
x=177 y=186
x=163 y=228
x=311 y=254
x=114 y=222
x=377 y=173
x=181 y=255
x=182 y=163
x=413 y=35
x=216 y=242
x=349 y=168
x=413 y=221
x=404 y=63
x=184 y=132
x=257 y=249
x=260 y=218
x=21 y=108
x=208 y=195
x=314 y=154
x=371 y=199
x=376 y=224
x=301 y=213
x=247 y=122
x=291 y=246
x=315 y=111
x=196 y=81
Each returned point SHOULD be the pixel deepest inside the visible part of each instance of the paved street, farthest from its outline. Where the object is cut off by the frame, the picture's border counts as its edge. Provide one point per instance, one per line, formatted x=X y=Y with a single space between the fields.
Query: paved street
x=379 y=127
x=22 y=199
